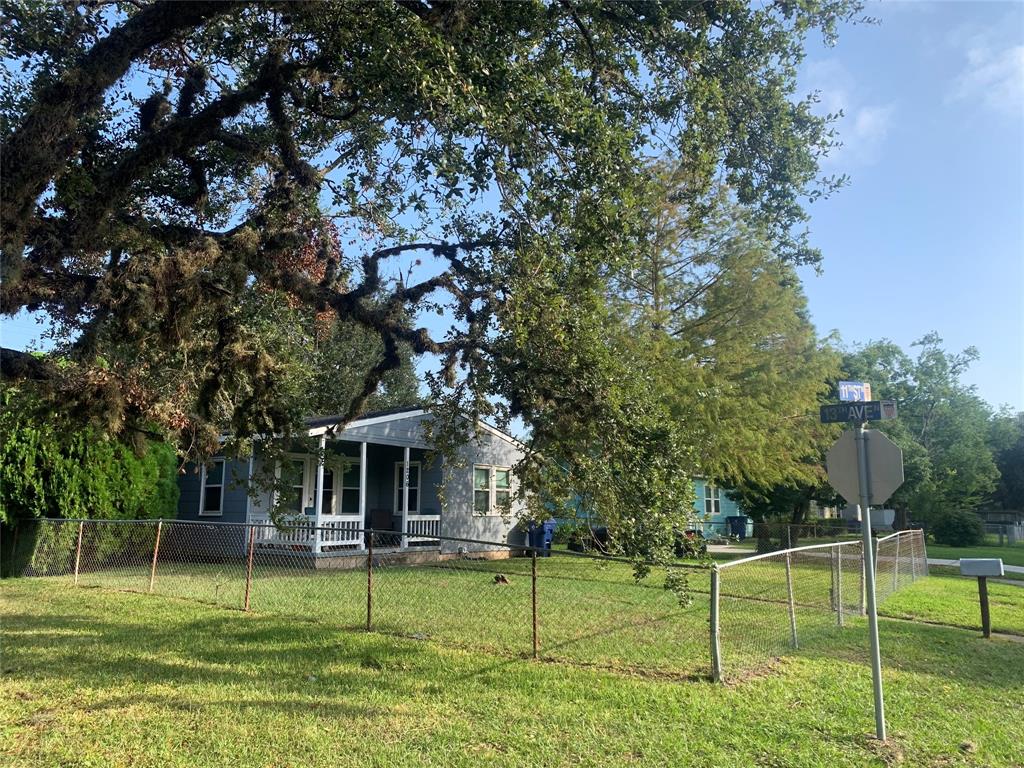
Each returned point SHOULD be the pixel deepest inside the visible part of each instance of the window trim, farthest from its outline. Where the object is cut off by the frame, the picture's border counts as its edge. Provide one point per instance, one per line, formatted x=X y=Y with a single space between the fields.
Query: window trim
x=713 y=494
x=347 y=464
x=492 y=489
x=202 y=489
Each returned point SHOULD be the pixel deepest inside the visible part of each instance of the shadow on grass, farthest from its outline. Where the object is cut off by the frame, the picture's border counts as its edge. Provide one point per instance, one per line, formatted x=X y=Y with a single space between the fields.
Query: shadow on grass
x=304 y=667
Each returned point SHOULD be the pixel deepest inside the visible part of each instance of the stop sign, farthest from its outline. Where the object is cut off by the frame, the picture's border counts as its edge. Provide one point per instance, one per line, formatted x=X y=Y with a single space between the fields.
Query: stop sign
x=884 y=469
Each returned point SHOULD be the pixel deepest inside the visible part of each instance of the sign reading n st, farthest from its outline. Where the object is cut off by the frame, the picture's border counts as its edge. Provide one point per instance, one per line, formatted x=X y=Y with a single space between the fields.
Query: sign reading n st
x=854 y=391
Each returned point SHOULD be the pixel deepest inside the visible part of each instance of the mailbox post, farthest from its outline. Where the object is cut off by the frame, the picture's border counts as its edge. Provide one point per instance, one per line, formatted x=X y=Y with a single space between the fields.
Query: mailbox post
x=982 y=568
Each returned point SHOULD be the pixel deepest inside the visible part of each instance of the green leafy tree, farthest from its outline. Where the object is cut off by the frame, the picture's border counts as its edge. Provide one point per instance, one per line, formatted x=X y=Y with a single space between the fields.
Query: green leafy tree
x=943 y=426
x=740 y=363
x=167 y=164
x=1007 y=440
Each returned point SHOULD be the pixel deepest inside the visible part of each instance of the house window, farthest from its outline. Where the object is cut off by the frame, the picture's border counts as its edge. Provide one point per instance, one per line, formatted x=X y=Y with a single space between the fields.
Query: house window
x=211 y=501
x=492 y=489
x=327 y=493
x=481 y=490
x=350 y=488
x=293 y=480
x=712 y=500
x=502 y=488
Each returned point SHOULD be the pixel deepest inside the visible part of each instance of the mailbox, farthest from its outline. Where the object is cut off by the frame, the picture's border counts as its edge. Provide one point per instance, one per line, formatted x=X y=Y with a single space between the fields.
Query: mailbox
x=981 y=566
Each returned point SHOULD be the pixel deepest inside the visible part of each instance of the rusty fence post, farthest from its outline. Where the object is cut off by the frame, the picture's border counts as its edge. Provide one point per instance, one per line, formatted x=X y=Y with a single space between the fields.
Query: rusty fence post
x=248 y=567
x=78 y=549
x=156 y=550
x=533 y=580
x=369 y=581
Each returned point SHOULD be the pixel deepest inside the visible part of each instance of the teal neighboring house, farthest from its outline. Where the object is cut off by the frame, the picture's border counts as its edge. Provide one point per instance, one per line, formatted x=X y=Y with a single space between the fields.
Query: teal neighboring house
x=714 y=509
x=714 y=512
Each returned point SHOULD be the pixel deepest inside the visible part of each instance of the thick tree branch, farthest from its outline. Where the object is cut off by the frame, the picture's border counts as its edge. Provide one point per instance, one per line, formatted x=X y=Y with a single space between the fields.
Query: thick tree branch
x=49 y=135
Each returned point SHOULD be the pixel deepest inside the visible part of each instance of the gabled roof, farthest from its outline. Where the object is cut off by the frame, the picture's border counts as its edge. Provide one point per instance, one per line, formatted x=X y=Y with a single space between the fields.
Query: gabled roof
x=317 y=424
x=371 y=417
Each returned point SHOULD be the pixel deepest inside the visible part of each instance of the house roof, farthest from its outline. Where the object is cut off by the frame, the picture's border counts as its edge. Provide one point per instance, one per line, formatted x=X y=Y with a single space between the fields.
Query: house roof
x=402 y=412
x=317 y=424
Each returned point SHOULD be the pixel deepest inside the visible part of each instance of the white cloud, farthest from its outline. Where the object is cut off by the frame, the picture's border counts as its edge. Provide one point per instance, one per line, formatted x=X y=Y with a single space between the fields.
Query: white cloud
x=992 y=77
x=863 y=127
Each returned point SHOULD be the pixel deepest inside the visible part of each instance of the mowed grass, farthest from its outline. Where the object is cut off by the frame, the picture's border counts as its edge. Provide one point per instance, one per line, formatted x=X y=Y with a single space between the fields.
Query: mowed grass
x=1010 y=555
x=953 y=600
x=589 y=612
x=92 y=677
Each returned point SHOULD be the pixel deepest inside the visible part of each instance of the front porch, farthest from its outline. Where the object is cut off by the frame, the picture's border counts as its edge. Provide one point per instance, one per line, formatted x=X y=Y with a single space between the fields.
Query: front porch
x=332 y=498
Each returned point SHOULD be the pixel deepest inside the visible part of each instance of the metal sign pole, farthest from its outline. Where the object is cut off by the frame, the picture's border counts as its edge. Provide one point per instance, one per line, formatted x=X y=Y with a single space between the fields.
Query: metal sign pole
x=863 y=472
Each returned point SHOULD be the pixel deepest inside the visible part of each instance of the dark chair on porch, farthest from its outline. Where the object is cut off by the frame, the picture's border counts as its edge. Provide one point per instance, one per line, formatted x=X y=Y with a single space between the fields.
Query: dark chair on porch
x=381 y=521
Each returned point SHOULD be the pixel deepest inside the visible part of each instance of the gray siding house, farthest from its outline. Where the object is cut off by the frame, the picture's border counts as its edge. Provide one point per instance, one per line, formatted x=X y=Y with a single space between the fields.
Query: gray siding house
x=376 y=473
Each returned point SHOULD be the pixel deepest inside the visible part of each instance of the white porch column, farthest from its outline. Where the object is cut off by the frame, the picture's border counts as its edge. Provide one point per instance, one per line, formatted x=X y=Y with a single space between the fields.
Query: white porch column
x=405 y=498
x=362 y=484
x=318 y=494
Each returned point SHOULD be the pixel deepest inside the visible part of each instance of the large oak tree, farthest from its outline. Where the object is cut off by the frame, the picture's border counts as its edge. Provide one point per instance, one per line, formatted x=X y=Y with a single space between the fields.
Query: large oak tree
x=167 y=165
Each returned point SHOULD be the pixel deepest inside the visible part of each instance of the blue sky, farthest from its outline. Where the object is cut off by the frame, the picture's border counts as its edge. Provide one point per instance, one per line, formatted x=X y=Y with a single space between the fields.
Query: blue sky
x=930 y=233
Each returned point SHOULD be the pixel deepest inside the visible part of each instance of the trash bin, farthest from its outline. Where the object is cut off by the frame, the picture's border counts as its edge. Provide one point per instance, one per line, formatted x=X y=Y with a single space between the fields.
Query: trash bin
x=540 y=536
x=737 y=526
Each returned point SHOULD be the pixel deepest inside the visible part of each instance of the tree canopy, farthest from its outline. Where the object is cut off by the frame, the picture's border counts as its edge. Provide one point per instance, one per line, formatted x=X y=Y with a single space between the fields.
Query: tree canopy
x=946 y=431
x=178 y=174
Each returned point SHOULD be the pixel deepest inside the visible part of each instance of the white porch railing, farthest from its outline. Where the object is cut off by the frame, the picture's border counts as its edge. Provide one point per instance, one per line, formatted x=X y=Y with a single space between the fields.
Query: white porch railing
x=423 y=528
x=334 y=532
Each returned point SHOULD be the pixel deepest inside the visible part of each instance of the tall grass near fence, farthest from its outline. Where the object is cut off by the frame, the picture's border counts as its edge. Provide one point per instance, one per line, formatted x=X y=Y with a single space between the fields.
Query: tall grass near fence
x=511 y=600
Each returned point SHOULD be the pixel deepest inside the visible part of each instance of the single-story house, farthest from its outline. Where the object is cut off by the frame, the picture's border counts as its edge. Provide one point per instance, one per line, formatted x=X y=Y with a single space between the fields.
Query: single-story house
x=375 y=472
x=714 y=508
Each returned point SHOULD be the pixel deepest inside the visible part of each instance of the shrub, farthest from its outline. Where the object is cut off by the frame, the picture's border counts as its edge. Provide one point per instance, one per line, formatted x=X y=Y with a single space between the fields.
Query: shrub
x=958 y=529
x=58 y=469
x=690 y=544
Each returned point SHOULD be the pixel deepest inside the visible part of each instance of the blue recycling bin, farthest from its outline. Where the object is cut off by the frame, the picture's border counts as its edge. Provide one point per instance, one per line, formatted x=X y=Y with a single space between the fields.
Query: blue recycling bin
x=737 y=526
x=540 y=536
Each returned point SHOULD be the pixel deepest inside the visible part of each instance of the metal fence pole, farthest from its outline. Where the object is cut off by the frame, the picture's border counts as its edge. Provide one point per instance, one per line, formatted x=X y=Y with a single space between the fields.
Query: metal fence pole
x=156 y=550
x=716 y=648
x=78 y=549
x=248 y=566
x=792 y=602
x=896 y=566
x=369 y=581
x=862 y=597
x=533 y=582
x=839 y=584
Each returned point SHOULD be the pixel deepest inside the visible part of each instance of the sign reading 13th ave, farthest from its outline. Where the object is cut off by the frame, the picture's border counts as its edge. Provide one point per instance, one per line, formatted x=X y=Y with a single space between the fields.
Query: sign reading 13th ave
x=872 y=410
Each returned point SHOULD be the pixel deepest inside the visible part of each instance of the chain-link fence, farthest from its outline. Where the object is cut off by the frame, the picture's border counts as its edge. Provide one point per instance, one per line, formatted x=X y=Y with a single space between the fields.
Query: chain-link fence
x=764 y=605
x=556 y=605
x=770 y=536
x=1004 y=534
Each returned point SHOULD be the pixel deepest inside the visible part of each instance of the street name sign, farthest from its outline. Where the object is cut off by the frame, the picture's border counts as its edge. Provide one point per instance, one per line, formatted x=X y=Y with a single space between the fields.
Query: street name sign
x=884 y=458
x=870 y=410
x=854 y=391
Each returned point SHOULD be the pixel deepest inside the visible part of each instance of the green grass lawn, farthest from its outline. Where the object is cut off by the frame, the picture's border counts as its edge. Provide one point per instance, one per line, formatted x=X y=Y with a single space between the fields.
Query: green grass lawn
x=92 y=677
x=1010 y=555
